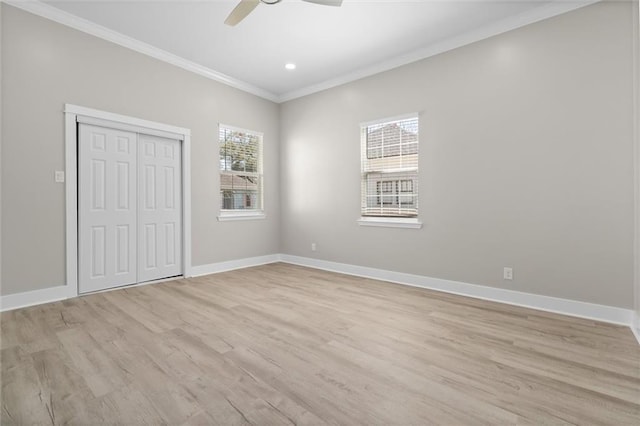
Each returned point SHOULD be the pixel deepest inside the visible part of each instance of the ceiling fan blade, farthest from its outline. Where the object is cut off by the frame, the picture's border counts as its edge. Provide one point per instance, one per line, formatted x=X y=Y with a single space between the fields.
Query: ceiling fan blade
x=241 y=11
x=326 y=2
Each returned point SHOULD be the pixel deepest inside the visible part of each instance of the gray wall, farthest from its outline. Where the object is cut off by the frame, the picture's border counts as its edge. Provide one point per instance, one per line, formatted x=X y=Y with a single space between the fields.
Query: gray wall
x=526 y=161
x=526 y=155
x=44 y=66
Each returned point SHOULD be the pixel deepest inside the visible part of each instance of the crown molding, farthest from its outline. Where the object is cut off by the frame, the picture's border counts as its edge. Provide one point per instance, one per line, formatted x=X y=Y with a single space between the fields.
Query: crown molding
x=484 y=32
x=538 y=14
x=54 y=14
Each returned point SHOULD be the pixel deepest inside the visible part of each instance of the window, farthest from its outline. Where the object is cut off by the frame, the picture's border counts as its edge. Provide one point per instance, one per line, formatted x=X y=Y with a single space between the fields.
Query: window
x=240 y=173
x=390 y=169
x=390 y=172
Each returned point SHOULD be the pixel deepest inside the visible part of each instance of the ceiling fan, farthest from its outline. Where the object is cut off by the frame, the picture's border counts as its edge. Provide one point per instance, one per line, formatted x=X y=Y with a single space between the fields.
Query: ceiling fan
x=245 y=7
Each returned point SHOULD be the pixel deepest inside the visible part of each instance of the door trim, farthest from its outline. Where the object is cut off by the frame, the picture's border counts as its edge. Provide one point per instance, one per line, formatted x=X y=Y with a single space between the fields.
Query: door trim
x=72 y=115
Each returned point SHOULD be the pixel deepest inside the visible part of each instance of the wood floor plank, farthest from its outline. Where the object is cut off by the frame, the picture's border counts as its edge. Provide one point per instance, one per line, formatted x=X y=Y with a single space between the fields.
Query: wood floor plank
x=282 y=344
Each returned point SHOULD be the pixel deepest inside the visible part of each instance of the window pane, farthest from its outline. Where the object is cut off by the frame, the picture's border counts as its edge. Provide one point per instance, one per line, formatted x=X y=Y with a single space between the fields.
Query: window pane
x=239 y=151
x=390 y=194
x=389 y=139
x=240 y=169
x=390 y=169
x=239 y=192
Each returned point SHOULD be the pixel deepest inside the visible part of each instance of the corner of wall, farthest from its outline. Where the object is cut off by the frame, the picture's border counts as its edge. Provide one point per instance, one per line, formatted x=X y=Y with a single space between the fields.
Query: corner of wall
x=635 y=326
x=281 y=195
x=636 y=141
x=1 y=7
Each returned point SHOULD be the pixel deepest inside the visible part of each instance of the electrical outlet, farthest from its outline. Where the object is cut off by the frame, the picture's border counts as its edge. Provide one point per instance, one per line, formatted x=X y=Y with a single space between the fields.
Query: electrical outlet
x=508 y=273
x=59 y=176
x=313 y=246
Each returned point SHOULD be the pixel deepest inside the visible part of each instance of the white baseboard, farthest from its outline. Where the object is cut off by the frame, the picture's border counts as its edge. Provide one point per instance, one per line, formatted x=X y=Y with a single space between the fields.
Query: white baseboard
x=35 y=297
x=574 y=308
x=230 y=265
x=54 y=294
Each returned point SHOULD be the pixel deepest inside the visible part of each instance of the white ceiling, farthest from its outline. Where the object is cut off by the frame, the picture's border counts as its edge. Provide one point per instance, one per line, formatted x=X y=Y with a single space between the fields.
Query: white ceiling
x=330 y=45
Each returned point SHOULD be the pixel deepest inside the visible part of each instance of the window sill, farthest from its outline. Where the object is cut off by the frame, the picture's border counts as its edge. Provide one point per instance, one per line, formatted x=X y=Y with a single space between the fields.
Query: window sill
x=229 y=215
x=391 y=222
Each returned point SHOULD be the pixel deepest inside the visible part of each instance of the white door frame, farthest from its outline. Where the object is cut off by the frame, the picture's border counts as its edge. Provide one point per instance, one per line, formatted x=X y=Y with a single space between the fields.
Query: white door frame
x=73 y=114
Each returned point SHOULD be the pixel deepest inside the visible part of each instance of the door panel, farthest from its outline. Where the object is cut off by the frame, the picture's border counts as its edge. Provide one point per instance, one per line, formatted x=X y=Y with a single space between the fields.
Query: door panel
x=123 y=236
x=107 y=217
x=98 y=252
x=159 y=214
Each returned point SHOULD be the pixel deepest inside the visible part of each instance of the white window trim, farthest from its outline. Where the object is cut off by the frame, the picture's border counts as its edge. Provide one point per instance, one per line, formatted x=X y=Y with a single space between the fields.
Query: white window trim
x=241 y=130
x=228 y=215
x=391 y=222
x=382 y=221
x=388 y=119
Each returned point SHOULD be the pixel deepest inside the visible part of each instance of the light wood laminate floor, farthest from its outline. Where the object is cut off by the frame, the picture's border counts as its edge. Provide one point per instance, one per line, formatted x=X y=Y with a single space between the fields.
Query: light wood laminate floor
x=282 y=344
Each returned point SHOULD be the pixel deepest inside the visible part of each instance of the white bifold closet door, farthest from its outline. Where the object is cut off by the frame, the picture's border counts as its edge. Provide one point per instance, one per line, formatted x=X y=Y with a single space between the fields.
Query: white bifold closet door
x=159 y=208
x=107 y=208
x=129 y=208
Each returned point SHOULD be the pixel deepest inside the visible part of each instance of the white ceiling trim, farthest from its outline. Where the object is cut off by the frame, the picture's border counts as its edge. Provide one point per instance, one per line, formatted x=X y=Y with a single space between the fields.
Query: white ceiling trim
x=46 y=11
x=543 y=12
x=502 y=26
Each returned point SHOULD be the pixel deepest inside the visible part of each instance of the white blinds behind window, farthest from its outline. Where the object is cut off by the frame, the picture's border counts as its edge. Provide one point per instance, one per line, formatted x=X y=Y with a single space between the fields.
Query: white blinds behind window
x=240 y=169
x=390 y=168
